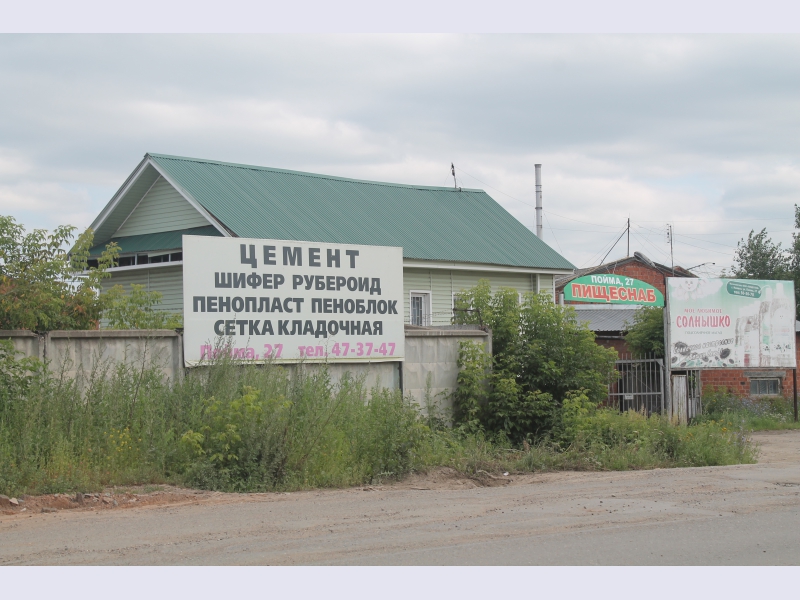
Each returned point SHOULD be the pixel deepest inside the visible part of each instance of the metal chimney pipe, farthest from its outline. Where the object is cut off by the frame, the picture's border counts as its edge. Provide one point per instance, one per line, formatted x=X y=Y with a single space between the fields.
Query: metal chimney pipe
x=539 y=232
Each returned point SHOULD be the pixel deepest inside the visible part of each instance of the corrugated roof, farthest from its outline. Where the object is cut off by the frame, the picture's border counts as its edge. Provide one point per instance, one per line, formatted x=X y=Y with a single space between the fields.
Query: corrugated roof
x=603 y=320
x=430 y=223
x=147 y=242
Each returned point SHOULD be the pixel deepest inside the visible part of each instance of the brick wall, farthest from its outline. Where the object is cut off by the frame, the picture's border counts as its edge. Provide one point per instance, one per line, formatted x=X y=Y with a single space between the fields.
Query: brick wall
x=637 y=270
x=644 y=273
x=738 y=380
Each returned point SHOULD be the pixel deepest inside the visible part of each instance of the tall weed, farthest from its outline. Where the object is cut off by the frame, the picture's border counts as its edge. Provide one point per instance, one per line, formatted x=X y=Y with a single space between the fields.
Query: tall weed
x=241 y=427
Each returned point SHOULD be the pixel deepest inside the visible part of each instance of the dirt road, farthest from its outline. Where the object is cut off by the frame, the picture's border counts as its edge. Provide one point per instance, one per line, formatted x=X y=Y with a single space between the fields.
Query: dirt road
x=746 y=514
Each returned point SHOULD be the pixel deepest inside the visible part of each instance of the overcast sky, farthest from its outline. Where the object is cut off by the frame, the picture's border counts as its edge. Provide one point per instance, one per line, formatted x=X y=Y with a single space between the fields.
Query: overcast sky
x=699 y=131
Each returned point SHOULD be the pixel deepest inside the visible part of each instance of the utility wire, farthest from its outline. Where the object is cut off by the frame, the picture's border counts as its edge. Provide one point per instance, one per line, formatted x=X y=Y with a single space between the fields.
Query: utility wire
x=646 y=239
x=704 y=241
x=705 y=249
x=494 y=188
x=603 y=249
x=612 y=247
x=554 y=234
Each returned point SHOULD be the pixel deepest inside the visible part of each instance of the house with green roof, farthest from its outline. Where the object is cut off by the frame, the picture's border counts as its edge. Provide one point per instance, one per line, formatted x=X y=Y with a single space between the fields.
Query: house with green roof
x=451 y=237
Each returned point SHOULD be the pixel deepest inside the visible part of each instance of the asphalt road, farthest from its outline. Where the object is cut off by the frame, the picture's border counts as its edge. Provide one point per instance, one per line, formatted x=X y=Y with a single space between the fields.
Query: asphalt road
x=741 y=515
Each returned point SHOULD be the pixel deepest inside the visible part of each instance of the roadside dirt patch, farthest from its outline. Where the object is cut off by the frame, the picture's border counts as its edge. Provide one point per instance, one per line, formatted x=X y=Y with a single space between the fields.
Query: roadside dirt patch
x=111 y=498
x=778 y=446
x=445 y=478
x=775 y=447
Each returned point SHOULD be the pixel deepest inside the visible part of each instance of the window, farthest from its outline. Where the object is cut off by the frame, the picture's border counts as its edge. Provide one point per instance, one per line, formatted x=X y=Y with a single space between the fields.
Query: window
x=420 y=308
x=126 y=261
x=765 y=387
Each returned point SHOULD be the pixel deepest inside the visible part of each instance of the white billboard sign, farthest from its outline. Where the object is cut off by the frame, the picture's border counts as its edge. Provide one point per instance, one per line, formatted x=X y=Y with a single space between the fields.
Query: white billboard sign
x=735 y=323
x=290 y=301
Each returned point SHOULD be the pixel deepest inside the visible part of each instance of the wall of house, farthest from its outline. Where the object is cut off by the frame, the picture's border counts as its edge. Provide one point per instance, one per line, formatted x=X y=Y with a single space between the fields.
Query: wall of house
x=161 y=209
x=168 y=280
x=443 y=283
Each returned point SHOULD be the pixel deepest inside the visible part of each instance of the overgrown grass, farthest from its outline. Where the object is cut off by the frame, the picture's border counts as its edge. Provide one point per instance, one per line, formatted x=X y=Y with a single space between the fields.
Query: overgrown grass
x=240 y=427
x=613 y=441
x=758 y=413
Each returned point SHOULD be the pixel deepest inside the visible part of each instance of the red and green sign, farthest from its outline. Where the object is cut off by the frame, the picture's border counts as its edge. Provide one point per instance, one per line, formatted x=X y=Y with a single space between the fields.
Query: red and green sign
x=606 y=288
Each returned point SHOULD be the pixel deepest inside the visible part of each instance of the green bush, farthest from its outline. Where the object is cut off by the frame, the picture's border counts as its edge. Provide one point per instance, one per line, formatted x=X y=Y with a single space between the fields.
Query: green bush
x=604 y=439
x=646 y=334
x=541 y=355
x=45 y=284
x=136 y=310
x=755 y=413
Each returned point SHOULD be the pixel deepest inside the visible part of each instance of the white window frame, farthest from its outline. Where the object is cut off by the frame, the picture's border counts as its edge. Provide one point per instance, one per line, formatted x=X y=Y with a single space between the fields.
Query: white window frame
x=427 y=306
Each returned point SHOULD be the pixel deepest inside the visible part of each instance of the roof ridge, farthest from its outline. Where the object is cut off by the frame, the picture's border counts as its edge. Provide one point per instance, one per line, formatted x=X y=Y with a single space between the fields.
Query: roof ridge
x=314 y=175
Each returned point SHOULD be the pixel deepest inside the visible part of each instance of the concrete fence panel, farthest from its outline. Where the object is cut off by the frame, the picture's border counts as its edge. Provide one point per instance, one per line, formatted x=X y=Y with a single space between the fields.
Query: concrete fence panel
x=431 y=353
x=26 y=342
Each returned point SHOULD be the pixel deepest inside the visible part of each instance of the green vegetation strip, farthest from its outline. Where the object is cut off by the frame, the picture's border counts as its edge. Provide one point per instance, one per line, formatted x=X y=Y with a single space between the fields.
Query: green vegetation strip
x=238 y=427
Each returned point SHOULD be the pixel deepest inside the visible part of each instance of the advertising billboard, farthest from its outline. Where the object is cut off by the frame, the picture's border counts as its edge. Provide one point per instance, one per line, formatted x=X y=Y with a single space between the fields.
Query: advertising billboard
x=606 y=288
x=736 y=323
x=289 y=301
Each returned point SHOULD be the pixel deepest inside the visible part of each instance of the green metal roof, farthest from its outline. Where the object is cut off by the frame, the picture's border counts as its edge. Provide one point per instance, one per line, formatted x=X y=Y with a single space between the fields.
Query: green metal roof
x=430 y=223
x=147 y=242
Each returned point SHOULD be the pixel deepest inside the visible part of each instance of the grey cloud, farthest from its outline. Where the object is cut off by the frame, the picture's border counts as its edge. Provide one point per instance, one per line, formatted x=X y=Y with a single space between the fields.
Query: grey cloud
x=683 y=128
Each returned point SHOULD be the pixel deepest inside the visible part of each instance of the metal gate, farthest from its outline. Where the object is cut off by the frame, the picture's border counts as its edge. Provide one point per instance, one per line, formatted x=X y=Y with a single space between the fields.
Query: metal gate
x=639 y=385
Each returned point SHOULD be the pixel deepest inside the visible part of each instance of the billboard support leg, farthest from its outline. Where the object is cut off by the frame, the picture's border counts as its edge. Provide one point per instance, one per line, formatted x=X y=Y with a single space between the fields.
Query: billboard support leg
x=794 y=387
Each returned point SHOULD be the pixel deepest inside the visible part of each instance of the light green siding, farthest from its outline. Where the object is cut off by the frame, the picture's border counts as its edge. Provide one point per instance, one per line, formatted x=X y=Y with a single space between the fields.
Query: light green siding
x=546 y=284
x=167 y=280
x=444 y=283
x=161 y=209
x=441 y=283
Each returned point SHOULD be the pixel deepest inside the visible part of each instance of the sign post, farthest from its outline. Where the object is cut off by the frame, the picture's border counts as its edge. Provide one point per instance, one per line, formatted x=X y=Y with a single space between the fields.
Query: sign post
x=288 y=301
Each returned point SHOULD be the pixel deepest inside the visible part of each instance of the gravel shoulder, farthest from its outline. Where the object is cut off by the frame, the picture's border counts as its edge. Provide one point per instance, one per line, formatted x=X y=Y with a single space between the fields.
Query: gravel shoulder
x=743 y=514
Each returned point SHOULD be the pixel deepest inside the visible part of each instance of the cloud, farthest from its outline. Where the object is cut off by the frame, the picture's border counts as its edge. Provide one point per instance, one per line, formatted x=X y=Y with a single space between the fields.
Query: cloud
x=700 y=131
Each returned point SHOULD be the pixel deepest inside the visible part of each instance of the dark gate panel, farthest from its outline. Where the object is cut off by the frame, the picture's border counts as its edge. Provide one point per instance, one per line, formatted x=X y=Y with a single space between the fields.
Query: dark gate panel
x=639 y=385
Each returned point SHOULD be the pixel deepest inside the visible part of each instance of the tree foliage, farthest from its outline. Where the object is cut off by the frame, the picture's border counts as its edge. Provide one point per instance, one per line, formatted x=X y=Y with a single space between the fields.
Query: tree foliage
x=136 y=310
x=541 y=355
x=45 y=285
x=646 y=335
x=758 y=257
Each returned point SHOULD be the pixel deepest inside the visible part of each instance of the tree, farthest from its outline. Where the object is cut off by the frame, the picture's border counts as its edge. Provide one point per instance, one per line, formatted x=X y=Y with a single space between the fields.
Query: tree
x=646 y=335
x=759 y=257
x=541 y=355
x=45 y=285
x=135 y=310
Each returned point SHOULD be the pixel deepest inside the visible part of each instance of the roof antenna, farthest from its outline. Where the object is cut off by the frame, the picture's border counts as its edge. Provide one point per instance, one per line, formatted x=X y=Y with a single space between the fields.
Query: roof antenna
x=453 y=171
